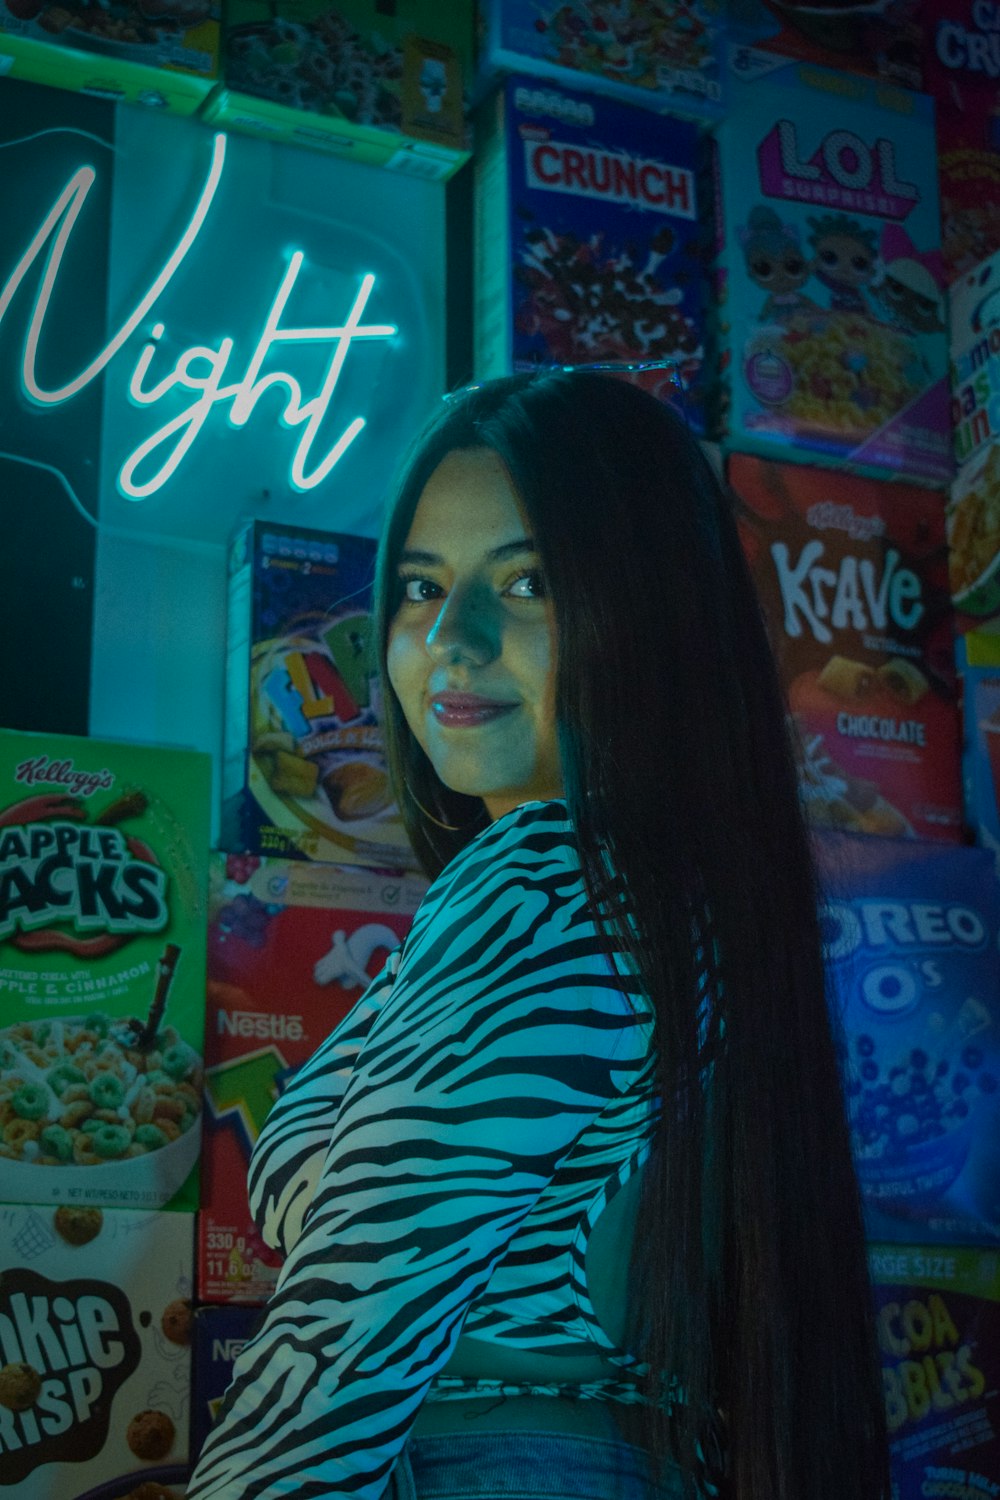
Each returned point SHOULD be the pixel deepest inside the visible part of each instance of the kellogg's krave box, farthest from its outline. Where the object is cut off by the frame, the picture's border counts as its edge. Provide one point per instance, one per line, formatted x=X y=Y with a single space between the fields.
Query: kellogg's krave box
x=833 y=343
x=103 y=876
x=590 y=241
x=852 y=576
x=291 y=947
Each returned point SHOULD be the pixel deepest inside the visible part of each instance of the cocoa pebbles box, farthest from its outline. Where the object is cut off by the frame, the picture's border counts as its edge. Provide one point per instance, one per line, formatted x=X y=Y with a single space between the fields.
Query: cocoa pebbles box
x=911 y=932
x=95 y=1343
x=291 y=946
x=590 y=242
x=103 y=876
x=833 y=344
x=938 y=1313
x=304 y=774
x=852 y=577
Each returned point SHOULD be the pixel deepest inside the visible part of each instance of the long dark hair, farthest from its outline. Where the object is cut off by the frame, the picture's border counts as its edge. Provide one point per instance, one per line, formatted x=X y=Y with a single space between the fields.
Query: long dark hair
x=750 y=1286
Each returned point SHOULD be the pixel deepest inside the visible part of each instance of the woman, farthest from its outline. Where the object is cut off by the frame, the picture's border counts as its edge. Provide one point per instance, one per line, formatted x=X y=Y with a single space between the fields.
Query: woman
x=572 y=1182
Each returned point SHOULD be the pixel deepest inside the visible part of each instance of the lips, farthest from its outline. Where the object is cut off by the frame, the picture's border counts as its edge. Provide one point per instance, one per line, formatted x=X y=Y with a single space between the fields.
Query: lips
x=465 y=710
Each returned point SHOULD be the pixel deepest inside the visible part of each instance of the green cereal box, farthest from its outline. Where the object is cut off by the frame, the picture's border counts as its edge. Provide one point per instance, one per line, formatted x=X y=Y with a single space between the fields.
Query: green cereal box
x=103 y=875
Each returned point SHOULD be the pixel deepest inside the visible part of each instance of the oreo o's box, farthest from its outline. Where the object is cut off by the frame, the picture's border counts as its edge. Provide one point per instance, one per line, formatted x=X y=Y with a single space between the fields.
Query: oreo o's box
x=658 y=54
x=938 y=1320
x=831 y=288
x=852 y=577
x=589 y=242
x=103 y=876
x=291 y=947
x=304 y=775
x=911 y=933
x=95 y=1348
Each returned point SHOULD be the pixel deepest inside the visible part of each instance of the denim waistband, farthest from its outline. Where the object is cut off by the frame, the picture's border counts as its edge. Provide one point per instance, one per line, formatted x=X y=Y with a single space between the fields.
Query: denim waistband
x=523 y=1466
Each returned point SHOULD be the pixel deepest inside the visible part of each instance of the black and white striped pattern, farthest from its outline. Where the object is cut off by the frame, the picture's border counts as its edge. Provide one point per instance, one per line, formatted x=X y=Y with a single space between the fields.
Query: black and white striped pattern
x=435 y=1168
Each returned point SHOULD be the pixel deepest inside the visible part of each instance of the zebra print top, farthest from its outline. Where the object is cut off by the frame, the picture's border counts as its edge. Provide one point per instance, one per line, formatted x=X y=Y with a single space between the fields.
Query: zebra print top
x=435 y=1168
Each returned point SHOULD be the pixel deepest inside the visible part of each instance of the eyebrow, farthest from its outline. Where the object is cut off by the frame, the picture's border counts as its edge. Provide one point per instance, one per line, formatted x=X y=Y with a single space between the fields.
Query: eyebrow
x=508 y=549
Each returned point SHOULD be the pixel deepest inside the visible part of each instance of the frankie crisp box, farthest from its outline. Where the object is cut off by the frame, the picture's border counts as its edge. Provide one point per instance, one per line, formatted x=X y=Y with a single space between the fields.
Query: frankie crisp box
x=832 y=336
x=852 y=578
x=910 y=932
x=590 y=245
x=938 y=1321
x=291 y=947
x=304 y=774
x=103 y=877
x=95 y=1335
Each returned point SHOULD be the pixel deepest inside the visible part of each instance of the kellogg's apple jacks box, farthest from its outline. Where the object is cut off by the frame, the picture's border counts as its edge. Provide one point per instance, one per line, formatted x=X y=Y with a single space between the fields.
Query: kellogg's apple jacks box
x=103 y=875
x=95 y=1345
x=291 y=947
x=961 y=66
x=852 y=577
x=658 y=54
x=833 y=345
x=589 y=245
x=938 y=1321
x=911 y=932
x=304 y=774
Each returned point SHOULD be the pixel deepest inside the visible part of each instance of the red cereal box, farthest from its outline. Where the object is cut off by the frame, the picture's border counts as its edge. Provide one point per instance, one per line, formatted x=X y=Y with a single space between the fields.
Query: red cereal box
x=292 y=946
x=853 y=579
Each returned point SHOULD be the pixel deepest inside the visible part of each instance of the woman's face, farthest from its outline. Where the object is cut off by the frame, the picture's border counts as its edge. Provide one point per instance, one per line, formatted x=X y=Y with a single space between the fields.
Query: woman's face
x=472 y=646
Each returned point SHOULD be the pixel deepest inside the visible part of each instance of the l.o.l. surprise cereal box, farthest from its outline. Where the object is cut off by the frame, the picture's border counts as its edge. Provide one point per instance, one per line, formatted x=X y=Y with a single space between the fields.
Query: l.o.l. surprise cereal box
x=961 y=66
x=103 y=875
x=852 y=577
x=938 y=1323
x=911 y=932
x=291 y=947
x=658 y=54
x=304 y=774
x=590 y=245
x=95 y=1348
x=833 y=345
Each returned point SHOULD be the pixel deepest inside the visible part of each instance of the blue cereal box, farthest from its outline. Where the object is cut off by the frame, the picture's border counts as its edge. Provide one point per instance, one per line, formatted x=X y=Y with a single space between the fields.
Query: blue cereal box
x=304 y=773
x=938 y=1321
x=659 y=54
x=911 y=934
x=833 y=339
x=589 y=242
x=219 y=1336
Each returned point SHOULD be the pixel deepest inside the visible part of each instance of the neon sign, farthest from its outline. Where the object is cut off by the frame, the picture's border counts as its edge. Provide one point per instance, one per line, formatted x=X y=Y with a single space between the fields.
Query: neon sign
x=200 y=368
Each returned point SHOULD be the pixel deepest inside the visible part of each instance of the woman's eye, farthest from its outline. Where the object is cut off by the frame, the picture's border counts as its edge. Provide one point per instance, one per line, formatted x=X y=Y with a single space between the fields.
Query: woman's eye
x=527 y=586
x=419 y=590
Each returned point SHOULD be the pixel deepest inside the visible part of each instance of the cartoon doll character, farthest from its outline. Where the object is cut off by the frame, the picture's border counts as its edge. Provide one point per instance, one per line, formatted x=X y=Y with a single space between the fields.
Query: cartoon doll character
x=845 y=260
x=910 y=289
x=776 y=263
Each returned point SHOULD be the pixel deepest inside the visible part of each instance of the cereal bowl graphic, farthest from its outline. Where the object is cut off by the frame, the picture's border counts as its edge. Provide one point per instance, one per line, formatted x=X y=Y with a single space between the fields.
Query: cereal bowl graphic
x=88 y=1114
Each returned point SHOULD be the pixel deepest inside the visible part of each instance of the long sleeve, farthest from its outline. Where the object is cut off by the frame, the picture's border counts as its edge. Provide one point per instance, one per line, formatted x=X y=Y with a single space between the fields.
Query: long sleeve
x=504 y=1034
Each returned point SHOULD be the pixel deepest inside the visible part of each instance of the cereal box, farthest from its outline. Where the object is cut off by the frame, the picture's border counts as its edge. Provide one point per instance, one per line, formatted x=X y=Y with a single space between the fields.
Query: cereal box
x=219 y=1336
x=832 y=319
x=103 y=873
x=659 y=54
x=382 y=83
x=883 y=40
x=974 y=512
x=162 y=53
x=911 y=932
x=961 y=66
x=304 y=774
x=589 y=245
x=939 y=1338
x=291 y=946
x=95 y=1340
x=981 y=739
x=851 y=574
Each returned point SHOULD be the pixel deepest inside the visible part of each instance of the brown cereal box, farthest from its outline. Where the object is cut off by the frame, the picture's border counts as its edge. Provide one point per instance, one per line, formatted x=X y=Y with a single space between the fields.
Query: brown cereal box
x=103 y=872
x=95 y=1357
x=852 y=576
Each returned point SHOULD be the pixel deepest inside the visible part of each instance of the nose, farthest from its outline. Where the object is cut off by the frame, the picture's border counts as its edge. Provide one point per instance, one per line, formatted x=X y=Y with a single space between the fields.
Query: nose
x=465 y=629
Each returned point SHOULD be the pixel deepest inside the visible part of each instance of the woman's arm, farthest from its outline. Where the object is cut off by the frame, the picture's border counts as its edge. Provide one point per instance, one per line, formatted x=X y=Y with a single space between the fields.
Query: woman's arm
x=504 y=1035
